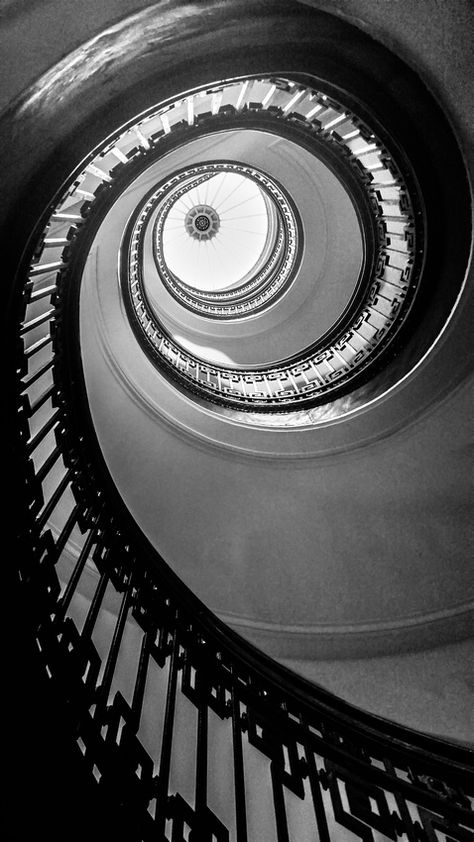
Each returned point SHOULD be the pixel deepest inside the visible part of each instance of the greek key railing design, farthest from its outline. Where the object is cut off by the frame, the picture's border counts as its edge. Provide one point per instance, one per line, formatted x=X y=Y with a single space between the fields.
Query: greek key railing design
x=268 y=279
x=193 y=733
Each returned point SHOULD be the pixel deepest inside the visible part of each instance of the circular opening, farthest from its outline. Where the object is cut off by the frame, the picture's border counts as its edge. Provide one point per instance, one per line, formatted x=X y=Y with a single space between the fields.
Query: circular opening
x=217 y=233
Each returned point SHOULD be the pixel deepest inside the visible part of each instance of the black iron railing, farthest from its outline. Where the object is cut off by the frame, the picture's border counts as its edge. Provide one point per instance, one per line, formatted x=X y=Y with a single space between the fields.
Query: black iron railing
x=190 y=732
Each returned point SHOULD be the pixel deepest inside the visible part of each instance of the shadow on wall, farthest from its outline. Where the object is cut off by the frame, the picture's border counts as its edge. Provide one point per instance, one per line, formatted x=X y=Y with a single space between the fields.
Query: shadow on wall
x=431 y=690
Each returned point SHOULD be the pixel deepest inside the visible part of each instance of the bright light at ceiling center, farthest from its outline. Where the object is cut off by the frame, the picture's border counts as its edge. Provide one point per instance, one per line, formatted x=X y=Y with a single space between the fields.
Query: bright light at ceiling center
x=229 y=257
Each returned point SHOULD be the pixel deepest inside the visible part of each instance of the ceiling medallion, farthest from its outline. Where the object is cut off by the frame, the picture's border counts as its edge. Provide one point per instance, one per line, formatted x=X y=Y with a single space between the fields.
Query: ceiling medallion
x=222 y=269
x=202 y=222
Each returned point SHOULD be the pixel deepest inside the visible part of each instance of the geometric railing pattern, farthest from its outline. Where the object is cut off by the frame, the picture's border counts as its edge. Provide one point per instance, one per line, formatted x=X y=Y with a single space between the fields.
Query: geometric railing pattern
x=209 y=739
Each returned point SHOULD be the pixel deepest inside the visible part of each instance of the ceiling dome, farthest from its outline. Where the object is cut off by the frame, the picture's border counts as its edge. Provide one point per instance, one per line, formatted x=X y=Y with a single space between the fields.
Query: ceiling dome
x=225 y=239
x=231 y=200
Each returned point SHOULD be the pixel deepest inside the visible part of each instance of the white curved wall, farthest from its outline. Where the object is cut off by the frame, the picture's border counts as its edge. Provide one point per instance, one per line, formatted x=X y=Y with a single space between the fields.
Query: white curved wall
x=431 y=691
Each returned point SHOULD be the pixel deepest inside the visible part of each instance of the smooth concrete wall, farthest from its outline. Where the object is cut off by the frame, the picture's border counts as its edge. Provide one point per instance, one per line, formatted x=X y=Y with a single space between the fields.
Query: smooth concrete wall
x=431 y=691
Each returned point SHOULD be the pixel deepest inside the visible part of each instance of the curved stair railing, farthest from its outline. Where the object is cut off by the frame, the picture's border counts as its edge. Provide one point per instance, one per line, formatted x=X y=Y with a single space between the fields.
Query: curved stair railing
x=238 y=747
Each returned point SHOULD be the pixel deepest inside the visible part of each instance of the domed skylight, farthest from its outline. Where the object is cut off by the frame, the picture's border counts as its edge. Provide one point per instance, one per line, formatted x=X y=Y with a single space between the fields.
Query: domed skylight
x=216 y=234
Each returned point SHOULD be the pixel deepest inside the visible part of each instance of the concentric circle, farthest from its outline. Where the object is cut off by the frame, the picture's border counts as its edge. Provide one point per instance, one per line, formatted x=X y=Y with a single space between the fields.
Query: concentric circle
x=244 y=252
x=370 y=328
x=229 y=208
x=201 y=222
x=392 y=228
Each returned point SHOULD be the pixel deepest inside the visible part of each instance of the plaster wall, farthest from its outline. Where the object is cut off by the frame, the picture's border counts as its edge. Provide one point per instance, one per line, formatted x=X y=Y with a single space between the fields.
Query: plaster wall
x=431 y=691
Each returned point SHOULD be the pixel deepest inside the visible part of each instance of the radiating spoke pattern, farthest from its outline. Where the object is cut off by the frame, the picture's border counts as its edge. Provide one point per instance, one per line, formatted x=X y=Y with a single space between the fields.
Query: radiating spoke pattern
x=225 y=258
x=226 y=241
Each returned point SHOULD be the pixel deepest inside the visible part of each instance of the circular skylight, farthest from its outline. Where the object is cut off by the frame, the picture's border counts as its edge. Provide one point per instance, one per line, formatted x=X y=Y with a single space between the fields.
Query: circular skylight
x=225 y=238
x=216 y=234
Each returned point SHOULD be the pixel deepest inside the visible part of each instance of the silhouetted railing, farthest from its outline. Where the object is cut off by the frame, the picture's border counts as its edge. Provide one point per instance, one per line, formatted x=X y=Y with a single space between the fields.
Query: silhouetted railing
x=191 y=732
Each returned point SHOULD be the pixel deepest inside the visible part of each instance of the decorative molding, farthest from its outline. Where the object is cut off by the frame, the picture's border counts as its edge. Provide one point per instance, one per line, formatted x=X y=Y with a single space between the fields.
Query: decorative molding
x=321 y=641
x=360 y=640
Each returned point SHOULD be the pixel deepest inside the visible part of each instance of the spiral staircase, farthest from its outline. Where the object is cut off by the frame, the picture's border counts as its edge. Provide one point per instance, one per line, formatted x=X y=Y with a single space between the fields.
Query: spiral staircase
x=225 y=270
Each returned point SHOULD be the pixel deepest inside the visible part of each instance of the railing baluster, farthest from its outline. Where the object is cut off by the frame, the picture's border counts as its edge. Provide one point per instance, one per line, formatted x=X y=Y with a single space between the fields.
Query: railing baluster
x=111 y=662
x=65 y=533
x=239 y=778
x=279 y=803
x=95 y=606
x=141 y=677
x=71 y=586
x=166 y=745
x=201 y=758
x=320 y=813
